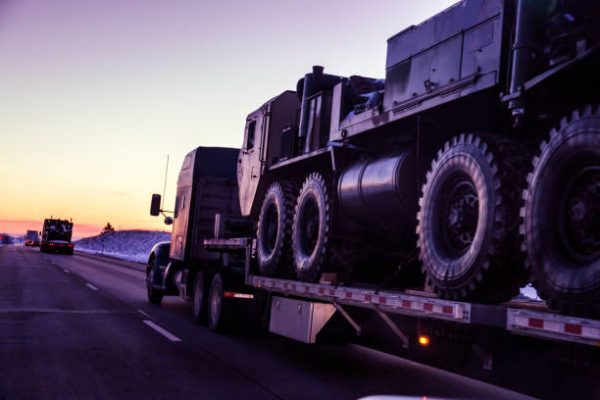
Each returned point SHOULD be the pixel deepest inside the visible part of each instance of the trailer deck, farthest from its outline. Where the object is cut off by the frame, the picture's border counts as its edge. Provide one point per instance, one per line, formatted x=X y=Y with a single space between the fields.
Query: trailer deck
x=519 y=317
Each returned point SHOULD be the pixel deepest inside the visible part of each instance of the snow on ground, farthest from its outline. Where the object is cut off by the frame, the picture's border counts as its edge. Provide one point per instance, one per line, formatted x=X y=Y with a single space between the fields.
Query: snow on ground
x=530 y=292
x=133 y=245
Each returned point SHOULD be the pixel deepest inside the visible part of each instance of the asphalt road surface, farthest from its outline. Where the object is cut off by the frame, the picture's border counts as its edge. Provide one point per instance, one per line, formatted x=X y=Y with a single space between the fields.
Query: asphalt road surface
x=75 y=327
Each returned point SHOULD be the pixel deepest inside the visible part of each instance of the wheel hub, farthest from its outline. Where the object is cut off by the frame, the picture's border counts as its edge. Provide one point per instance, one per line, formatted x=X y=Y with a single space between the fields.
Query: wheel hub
x=310 y=227
x=271 y=228
x=582 y=214
x=460 y=216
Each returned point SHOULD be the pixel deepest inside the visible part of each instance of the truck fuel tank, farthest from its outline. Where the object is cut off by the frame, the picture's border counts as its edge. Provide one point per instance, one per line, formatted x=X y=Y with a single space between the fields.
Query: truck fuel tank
x=380 y=190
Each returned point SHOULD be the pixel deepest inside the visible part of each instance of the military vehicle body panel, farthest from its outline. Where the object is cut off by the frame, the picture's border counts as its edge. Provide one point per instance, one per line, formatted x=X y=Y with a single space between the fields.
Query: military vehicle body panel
x=447 y=53
x=264 y=145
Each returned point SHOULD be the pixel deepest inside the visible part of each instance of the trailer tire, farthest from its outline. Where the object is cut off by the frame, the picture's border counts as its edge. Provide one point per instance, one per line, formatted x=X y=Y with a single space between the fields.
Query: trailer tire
x=468 y=219
x=199 y=299
x=217 y=305
x=274 y=230
x=312 y=228
x=563 y=253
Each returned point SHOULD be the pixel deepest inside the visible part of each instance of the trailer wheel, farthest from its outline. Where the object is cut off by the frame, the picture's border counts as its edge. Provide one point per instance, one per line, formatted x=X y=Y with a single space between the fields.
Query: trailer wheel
x=468 y=219
x=312 y=228
x=155 y=296
x=199 y=299
x=275 y=229
x=217 y=305
x=561 y=216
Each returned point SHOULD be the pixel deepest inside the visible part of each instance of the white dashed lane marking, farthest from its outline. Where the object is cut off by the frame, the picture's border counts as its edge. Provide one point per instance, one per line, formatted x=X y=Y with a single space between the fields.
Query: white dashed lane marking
x=162 y=331
x=91 y=286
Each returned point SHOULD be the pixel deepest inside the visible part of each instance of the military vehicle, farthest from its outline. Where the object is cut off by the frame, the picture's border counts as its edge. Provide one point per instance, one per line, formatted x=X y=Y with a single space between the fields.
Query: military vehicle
x=482 y=139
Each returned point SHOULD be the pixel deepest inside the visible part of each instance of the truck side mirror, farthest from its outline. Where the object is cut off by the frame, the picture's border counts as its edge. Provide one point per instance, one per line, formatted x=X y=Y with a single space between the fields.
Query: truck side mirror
x=155 y=205
x=168 y=220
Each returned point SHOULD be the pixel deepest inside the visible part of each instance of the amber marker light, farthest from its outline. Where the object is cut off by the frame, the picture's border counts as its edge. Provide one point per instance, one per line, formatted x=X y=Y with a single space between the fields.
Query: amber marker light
x=424 y=340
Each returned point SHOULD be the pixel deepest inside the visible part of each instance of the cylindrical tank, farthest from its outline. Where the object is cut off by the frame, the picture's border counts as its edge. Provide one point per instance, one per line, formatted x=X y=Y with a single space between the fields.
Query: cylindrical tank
x=380 y=190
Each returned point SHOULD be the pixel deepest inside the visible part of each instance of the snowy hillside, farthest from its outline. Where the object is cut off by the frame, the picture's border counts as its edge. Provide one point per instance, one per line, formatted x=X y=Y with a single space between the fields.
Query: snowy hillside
x=131 y=245
x=135 y=246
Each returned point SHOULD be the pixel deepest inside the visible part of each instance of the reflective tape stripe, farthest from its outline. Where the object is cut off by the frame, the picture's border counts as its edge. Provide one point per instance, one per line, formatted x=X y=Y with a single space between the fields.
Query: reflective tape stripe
x=554 y=326
x=237 y=295
x=573 y=329
x=390 y=301
x=536 y=323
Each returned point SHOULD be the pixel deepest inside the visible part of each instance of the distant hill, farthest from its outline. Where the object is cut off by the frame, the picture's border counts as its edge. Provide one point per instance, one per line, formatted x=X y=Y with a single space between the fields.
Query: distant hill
x=132 y=245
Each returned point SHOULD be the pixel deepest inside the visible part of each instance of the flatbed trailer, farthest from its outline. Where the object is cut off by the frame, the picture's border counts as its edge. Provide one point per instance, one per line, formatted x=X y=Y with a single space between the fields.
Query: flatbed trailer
x=519 y=316
x=529 y=318
x=521 y=344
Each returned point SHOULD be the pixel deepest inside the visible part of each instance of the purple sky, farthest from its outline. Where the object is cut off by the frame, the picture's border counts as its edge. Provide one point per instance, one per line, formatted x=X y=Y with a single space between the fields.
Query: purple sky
x=95 y=93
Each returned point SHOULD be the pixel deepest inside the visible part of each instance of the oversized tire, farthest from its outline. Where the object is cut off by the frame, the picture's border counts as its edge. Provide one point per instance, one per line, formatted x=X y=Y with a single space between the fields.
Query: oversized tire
x=155 y=296
x=561 y=216
x=273 y=251
x=469 y=217
x=311 y=232
x=199 y=299
x=217 y=305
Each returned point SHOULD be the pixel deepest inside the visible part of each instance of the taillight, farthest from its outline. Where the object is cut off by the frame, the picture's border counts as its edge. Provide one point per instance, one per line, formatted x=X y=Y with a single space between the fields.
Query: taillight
x=236 y=295
x=424 y=340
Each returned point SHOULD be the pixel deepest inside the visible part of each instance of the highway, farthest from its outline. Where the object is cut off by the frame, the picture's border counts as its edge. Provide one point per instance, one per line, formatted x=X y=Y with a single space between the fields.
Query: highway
x=79 y=327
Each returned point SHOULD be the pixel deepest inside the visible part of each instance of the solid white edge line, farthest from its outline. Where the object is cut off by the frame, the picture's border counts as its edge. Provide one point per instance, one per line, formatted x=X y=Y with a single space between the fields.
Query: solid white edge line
x=91 y=286
x=162 y=331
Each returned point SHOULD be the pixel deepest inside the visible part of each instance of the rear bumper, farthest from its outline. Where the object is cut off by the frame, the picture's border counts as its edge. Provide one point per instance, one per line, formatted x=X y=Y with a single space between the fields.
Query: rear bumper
x=57 y=248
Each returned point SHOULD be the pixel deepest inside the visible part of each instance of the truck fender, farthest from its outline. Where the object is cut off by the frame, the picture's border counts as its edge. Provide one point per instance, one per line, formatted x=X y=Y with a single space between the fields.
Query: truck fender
x=168 y=276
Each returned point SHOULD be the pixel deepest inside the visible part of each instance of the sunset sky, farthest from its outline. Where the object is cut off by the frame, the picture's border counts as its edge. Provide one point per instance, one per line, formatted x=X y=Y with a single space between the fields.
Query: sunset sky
x=94 y=94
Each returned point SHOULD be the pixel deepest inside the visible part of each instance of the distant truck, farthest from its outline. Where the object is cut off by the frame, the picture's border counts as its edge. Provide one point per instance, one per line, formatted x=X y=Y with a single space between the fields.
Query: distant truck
x=32 y=239
x=56 y=236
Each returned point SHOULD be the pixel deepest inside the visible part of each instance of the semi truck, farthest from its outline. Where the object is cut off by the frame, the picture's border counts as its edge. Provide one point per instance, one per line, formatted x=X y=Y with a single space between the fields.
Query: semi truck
x=32 y=238
x=56 y=236
x=423 y=201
